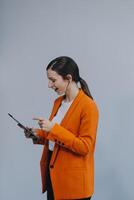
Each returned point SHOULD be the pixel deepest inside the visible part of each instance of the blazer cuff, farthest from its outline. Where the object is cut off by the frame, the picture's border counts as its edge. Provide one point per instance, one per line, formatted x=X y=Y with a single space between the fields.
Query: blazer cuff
x=41 y=133
x=61 y=135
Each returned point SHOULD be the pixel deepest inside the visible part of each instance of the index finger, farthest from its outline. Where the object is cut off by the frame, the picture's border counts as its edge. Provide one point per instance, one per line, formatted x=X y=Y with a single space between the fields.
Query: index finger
x=38 y=118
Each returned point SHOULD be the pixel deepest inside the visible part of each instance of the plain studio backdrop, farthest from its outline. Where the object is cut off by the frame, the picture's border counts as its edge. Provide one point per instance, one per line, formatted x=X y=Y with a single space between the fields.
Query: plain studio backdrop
x=99 y=36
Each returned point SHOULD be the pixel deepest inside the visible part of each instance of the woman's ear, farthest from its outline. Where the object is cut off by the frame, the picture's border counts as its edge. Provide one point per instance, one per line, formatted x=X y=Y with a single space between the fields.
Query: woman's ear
x=69 y=77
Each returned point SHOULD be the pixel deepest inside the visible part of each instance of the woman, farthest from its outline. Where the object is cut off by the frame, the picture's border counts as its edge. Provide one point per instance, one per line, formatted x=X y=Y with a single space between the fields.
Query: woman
x=67 y=163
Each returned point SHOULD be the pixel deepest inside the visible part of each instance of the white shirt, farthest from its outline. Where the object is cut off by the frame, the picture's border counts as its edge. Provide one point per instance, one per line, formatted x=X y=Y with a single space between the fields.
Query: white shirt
x=58 y=118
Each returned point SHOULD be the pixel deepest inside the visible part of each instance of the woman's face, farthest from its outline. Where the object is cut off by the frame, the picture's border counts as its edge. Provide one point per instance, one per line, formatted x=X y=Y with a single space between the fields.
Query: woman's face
x=56 y=82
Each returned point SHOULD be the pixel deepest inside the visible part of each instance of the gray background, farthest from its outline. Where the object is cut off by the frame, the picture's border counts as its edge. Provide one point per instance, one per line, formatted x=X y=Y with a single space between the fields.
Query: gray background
x=99 y=35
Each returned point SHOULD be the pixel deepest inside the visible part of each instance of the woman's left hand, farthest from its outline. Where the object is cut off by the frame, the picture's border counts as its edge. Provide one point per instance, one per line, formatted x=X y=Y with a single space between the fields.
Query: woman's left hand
x=44 y=124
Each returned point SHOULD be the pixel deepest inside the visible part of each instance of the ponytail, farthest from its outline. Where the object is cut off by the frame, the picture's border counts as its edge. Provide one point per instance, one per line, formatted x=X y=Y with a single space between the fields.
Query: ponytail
x=84 y=87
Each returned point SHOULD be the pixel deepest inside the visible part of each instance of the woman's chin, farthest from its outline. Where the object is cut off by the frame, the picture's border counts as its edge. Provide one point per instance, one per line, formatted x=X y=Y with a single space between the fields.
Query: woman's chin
x=59 y=92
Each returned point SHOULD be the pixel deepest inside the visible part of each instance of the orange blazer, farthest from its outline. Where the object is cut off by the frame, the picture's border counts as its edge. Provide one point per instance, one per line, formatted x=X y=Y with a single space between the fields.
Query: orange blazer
x=72 y=161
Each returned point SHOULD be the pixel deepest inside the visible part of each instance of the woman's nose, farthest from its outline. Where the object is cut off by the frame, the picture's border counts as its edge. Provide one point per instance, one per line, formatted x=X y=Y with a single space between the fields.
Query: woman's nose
x=50 y=84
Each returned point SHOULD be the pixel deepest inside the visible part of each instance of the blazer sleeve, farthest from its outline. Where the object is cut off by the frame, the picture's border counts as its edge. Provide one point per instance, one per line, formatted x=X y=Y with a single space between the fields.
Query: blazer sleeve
x=84 y=142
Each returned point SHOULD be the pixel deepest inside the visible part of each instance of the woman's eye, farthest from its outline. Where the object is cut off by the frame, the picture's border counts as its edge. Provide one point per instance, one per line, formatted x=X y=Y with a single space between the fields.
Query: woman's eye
x=53 y=81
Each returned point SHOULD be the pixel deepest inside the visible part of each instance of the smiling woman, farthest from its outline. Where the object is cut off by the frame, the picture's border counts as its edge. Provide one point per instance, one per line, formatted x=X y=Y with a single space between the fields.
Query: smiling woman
x=69 y=136
x=56 y=82
x=63 y=70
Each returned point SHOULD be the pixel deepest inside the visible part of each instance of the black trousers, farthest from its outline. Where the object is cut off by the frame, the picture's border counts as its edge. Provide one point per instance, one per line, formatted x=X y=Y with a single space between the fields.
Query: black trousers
x=50 y=195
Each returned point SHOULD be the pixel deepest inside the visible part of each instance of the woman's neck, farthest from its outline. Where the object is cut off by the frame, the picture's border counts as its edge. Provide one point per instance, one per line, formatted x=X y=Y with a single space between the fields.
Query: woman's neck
x=71 y=92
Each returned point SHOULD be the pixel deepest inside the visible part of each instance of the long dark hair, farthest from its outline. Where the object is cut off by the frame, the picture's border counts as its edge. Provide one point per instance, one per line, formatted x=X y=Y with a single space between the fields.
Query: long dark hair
x=64 y=65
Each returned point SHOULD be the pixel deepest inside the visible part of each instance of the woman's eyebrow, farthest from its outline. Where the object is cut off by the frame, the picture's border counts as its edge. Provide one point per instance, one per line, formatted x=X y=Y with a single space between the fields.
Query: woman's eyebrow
x=51 y=78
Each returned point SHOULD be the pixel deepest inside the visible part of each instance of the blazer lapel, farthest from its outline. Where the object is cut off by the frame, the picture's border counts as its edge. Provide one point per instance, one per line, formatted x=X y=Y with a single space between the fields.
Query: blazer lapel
x=64 y=120
x=56 y=107
x=72 y=107
x=70 y=110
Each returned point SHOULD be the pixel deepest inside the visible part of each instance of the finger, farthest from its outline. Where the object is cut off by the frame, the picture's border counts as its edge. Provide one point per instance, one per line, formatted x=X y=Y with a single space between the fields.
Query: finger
x=38 y=118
